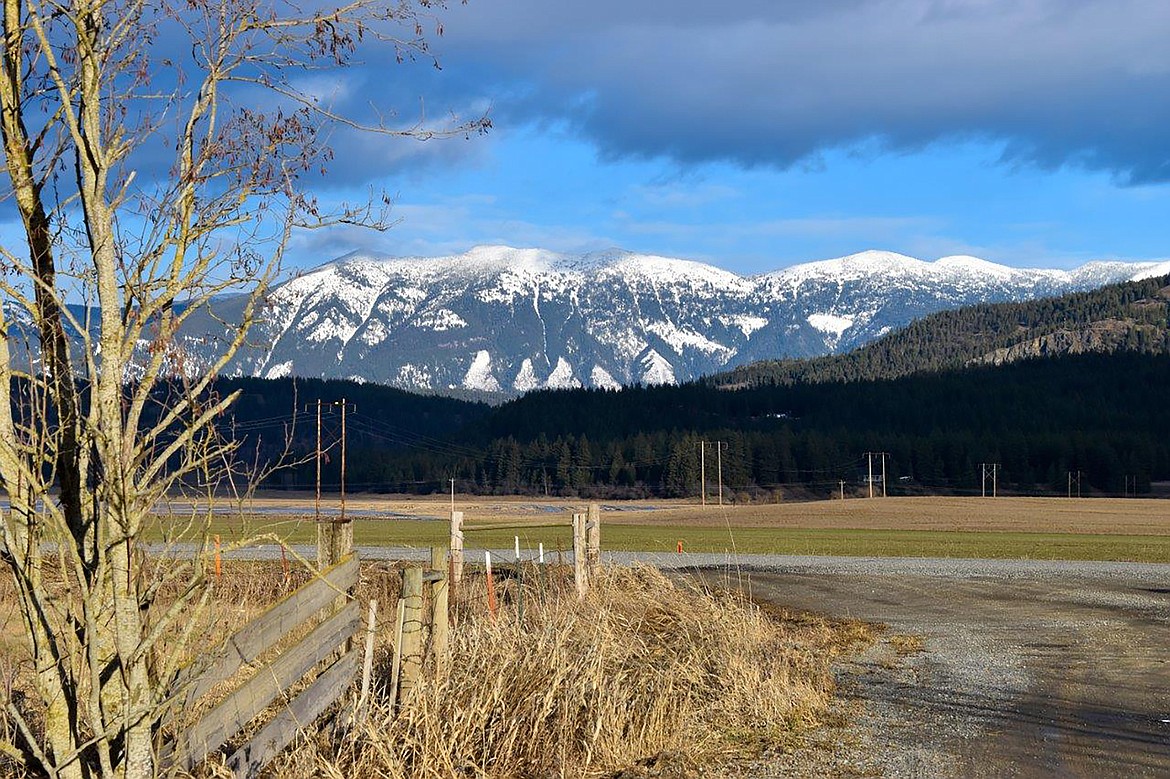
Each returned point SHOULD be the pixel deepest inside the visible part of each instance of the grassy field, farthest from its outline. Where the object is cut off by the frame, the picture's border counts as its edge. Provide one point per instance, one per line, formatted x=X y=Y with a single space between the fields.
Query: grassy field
x=1054 y=528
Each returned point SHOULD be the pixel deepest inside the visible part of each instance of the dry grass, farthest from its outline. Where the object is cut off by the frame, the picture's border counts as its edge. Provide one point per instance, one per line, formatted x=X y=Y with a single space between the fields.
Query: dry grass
x=643 y=667
x=644 y=670
x=907 y=644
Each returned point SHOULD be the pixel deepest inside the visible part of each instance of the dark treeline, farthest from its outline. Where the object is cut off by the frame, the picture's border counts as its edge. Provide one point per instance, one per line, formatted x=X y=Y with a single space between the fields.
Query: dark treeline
x=1102 y=415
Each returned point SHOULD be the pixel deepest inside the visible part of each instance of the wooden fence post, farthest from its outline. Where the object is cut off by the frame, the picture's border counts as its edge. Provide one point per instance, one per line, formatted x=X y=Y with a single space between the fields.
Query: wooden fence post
x=491 y=583
x=456 y=548
x=412 y=630
x=440 y=617
x=580 y=572
x=593 y=540
x=334 y=541
x=396 y=665
x=367 y=662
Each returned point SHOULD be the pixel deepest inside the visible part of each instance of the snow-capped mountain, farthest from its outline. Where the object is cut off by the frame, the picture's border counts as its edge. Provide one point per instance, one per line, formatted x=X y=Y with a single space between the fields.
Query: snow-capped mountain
x=506 y=320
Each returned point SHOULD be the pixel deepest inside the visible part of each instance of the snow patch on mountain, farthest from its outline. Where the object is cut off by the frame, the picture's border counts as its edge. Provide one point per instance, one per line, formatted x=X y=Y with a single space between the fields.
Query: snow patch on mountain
x=440 y=321
x=526 y=377
x=601 y=378
x=745 y=323
x=280 y=370
x=414 y=376
x=831 y=324
x=682 y=338
x=656 y=369
x=479 y=374
x=562 y=376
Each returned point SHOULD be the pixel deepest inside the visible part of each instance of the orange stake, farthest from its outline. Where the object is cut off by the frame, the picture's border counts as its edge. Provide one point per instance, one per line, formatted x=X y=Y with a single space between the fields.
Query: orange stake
x=218 y=565
x=680 y=546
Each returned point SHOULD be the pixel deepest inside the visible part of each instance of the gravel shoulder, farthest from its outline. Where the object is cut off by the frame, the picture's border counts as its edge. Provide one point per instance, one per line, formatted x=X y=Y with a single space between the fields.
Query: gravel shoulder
x=1026 y=669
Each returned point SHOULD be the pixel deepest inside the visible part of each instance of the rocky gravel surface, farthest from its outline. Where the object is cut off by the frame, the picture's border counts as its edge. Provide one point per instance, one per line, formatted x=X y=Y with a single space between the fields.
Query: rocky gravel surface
x=1026 y=669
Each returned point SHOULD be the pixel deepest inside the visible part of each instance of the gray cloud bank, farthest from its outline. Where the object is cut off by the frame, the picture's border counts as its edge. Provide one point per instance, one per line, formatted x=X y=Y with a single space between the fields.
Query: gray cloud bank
x=774 y=82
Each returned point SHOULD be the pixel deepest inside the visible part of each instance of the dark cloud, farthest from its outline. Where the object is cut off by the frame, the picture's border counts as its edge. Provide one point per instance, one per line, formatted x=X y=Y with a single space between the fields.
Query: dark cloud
x=766 y=82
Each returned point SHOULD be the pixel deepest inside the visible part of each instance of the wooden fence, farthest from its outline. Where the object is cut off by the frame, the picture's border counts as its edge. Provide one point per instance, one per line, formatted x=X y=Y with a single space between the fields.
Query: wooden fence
x=586 y=530
x=327 y=600
x=324 y=596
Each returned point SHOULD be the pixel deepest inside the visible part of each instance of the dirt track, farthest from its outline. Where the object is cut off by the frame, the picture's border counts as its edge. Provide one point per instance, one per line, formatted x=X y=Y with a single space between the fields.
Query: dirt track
x=1024 y=673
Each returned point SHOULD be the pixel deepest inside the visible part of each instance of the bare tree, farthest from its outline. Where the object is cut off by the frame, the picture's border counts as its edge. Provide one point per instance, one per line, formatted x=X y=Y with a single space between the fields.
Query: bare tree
x=102 y=413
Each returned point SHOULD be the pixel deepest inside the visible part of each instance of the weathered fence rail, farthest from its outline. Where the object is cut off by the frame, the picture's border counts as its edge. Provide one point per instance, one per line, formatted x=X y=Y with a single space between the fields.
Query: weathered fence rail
x=242 y=706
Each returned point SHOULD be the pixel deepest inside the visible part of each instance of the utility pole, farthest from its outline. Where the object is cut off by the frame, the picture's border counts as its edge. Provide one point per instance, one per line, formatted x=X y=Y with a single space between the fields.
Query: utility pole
x=703 y=473
x=343 y=407
x=317 y=495
x=871 y=455
x=870 y=479
x=334 y=538
x=1070 y=483
x=994 y=468
x=719 y=459
x=1131 y=485
x=452 y=494
x=842 y=489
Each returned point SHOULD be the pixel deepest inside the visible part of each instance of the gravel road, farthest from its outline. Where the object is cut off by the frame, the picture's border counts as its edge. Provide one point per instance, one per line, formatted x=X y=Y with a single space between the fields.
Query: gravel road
x=1028 y=668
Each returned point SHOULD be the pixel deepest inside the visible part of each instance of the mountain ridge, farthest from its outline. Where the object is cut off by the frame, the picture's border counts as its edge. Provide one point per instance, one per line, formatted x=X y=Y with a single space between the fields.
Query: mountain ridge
x=1132 y=316
x=504 y=321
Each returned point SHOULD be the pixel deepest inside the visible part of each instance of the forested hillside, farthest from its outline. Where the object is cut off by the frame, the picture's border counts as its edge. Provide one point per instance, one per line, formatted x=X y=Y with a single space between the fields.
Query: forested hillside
x=1121 y=317
x=1102 y=415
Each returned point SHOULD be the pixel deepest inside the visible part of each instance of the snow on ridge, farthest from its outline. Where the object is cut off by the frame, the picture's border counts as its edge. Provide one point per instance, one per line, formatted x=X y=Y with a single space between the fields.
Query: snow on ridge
x=494 y=259
x=479 y=374
x=667 y=270
x=976 y=265
x=1153 y=271
x=852 y=266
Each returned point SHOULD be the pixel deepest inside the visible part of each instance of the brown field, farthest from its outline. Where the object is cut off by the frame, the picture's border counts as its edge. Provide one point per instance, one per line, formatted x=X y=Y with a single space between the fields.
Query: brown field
x=1106 y=516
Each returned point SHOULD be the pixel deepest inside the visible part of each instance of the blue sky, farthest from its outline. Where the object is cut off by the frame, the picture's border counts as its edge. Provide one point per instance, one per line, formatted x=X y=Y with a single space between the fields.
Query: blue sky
x=767 y=132
x=756 y=135
x=761 y=133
